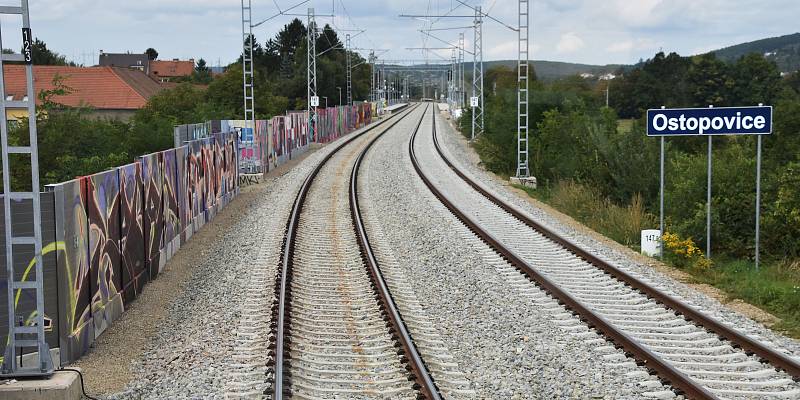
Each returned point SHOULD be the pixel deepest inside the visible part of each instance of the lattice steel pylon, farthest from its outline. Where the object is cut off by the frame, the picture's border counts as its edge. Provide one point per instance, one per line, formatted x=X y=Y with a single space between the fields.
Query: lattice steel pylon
x=31 y=326
x=461 y=86
x=247 y=83
x=523 y=170
x=349 y=71
x=477 y=75
x=311 y=38
x=372 y=58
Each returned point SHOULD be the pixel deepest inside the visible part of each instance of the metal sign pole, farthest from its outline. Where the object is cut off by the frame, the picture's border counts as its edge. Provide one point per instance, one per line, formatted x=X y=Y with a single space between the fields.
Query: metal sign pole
x=758 y=198
x=661 y=201
x=708 y=202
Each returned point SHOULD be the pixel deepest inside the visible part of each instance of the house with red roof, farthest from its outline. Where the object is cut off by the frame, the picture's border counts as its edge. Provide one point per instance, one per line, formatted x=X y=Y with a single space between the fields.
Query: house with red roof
x=165 y=71
x=108 y=92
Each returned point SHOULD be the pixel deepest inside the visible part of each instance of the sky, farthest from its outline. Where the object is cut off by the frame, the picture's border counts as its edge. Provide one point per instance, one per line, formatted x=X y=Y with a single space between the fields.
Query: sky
x=582 y=31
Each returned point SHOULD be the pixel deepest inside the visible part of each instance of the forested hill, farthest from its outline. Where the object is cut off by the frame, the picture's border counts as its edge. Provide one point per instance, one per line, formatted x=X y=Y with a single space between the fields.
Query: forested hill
x=551 y=70
x=782 y=50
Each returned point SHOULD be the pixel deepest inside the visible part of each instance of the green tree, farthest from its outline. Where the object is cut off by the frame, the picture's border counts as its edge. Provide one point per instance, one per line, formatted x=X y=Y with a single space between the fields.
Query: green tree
x=43 y=56
x=201 y=74
x=152 y=54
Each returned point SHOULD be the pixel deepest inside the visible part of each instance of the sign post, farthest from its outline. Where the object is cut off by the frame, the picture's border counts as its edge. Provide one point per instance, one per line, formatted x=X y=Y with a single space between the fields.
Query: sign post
x=710 y=122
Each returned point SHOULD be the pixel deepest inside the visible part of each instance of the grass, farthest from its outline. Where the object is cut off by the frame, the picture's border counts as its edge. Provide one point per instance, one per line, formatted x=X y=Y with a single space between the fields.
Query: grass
x=621 y=223
x=775 y=288
x=624 y=125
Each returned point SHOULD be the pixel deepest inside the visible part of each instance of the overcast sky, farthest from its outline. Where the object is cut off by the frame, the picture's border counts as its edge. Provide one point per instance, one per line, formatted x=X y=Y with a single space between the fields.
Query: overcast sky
x=586 y=31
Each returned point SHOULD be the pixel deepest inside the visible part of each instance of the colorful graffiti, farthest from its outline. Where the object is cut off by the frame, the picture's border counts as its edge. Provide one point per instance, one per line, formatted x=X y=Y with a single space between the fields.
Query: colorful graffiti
x=132 y=231
x=106 y=235
x=102 y=210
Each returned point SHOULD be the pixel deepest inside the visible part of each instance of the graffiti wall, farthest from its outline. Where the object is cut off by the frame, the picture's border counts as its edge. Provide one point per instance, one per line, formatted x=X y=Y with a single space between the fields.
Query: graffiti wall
x=106 y=235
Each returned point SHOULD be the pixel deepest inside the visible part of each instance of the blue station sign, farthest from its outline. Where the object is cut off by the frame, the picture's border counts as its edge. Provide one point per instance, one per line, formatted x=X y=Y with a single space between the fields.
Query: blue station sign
x=709 y=121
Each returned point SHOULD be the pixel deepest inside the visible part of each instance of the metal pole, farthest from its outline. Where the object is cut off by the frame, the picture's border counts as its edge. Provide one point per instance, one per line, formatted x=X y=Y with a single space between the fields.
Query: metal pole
x=33 y=323
x=708 y=199
x=523 y=169
x=758 y=201
x=349 y=72
x=661 y=201
x=708 y=204
x=311 y=72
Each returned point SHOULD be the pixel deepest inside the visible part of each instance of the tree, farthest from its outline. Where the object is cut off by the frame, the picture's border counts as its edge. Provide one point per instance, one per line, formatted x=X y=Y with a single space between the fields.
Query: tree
x=43 y=56
x=327 y=40
x=202 y=74
x=152 y=54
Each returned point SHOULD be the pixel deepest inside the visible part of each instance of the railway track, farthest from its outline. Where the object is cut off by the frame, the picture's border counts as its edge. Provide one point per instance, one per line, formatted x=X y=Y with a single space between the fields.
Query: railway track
x=337 y=331
x=700 y=357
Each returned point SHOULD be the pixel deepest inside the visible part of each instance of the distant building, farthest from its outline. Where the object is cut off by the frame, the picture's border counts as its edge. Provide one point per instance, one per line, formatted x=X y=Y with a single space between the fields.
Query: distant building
x=165 y=71
x=607 y=77
x=587 y=75
x=111 y=92
x=140 y=62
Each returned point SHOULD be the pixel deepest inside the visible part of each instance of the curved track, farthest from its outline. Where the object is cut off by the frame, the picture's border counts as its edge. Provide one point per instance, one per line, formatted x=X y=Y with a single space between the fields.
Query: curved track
x=700 y=357
x=337 y=330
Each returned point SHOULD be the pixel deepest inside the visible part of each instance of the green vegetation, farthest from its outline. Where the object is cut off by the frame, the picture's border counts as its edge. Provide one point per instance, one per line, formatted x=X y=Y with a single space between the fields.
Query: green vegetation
x=597 y=165
x=620 y=223
x=72 y=143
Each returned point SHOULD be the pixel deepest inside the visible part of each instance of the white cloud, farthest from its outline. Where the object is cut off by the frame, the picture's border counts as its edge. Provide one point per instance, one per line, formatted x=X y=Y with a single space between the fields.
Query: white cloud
x=586 y=31
x=569 y=43
x=631 y=45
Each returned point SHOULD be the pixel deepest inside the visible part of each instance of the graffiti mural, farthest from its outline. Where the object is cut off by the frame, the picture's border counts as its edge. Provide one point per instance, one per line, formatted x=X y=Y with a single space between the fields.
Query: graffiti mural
x=72 y=260
x=170 y=240
x=196 y=184
x=102 y=210
x=152 y=169
x=184 y=199
x=209 y=178
x=132 y=249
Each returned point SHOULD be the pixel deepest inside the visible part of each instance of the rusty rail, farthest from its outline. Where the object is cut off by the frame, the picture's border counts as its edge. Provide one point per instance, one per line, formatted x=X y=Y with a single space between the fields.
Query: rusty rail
x=283 y=287
x=644 y=356
x=421 y=374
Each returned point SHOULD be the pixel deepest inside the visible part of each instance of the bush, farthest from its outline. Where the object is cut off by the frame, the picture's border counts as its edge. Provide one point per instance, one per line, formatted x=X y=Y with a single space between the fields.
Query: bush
x=621 y=223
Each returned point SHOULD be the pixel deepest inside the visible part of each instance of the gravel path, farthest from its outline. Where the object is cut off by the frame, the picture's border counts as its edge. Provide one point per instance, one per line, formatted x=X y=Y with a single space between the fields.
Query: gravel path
x=210 y=341
x=509 y=339
x=458 y=150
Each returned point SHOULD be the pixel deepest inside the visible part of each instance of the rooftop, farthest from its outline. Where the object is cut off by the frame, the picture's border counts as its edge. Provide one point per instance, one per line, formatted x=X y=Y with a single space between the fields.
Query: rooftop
x=98 y=87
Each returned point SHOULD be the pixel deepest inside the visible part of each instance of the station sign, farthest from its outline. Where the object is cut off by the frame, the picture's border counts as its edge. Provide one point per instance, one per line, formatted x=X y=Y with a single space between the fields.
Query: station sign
x=709 y=121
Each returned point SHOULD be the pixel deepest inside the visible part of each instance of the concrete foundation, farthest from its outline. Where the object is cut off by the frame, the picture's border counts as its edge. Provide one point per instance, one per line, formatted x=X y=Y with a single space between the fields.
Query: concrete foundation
x=63 y=385
x=527 y=182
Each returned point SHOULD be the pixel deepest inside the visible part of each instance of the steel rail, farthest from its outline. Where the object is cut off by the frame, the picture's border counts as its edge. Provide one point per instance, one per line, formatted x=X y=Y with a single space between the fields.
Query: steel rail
x=283 y=288
x=648 y=359
x=420 y=371
x=778 y=360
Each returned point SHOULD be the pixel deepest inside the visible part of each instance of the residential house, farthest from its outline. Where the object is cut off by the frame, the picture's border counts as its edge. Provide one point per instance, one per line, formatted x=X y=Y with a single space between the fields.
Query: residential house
x=109 y=92
x=165 y=71
x=140 y=62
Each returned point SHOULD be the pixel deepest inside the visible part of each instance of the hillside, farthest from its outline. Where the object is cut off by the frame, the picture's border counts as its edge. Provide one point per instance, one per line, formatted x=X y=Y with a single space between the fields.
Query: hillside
x=783 y=50
x=551 y=70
